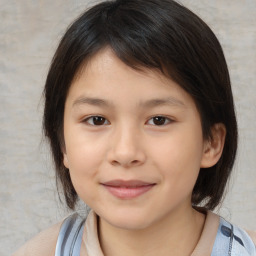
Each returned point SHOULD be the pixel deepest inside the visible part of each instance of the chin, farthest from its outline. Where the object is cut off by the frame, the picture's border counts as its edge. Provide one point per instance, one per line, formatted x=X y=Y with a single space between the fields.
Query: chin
x=128 y=221
x=130 y=225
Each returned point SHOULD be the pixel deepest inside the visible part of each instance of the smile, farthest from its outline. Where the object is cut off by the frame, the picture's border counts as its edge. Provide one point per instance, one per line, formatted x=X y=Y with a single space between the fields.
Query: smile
x=127 y=189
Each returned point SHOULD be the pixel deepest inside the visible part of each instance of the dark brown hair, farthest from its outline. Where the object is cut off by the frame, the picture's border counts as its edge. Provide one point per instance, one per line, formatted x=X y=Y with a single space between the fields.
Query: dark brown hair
x=159 y=34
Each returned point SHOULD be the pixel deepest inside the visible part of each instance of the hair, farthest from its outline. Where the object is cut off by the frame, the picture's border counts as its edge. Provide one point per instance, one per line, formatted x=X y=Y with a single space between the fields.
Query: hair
x=153 y=34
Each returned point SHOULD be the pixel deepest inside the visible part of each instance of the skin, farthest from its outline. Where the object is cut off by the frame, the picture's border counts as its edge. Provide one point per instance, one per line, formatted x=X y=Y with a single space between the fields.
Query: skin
x=130 y=145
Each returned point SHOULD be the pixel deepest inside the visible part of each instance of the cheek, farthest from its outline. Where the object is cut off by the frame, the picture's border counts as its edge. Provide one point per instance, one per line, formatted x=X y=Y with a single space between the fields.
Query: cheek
x=179 y=158
x=84 y=150
x=84 y=159
x=84 y=162
x=85 y=156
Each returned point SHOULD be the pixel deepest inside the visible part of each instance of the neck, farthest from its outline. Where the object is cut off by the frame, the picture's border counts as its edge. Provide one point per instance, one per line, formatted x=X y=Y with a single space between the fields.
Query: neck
x=176 y=234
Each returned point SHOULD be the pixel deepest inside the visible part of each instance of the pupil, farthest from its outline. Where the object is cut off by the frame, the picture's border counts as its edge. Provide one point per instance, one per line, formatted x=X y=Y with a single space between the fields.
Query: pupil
x=159 y=120
x=98 y=120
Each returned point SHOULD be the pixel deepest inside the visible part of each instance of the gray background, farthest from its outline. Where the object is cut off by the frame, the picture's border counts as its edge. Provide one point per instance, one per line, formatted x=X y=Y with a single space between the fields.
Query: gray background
x=29 y=32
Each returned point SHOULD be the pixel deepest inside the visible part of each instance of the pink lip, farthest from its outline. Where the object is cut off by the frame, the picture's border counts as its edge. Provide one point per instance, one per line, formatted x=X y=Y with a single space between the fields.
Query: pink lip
x=127 y=189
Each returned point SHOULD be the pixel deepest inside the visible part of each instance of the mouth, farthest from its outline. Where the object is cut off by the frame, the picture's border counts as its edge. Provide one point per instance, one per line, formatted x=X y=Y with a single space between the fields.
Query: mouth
x=127 y=189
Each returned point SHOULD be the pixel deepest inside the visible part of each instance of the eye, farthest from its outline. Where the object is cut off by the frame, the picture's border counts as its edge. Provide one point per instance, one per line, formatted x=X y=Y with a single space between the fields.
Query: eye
x=159 y=120
x=96 y=120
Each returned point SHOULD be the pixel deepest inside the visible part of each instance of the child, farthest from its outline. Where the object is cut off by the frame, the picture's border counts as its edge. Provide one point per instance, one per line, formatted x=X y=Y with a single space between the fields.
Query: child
x=140 y=118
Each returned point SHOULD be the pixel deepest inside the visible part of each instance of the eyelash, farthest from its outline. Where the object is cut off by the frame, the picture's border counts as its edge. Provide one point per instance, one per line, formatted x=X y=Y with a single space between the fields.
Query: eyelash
x=158 y=116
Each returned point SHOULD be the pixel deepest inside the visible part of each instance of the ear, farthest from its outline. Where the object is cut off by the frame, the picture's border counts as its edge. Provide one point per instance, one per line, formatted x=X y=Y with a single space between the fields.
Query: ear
x=64 y=152
x=65 y=160
x=214 y=146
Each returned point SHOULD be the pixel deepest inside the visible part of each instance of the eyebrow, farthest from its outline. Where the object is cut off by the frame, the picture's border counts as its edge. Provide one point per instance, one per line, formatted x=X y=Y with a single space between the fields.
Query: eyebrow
x=170 y=101
x=92 y=101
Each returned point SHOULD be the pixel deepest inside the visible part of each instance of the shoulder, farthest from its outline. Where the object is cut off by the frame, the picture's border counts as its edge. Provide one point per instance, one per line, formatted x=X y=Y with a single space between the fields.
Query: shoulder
x=42 y=244
x=242 y=239
x=252 y=234
x=232 y=238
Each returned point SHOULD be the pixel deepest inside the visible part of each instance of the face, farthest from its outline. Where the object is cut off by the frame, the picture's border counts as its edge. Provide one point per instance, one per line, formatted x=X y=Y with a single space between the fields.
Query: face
x=133 y=142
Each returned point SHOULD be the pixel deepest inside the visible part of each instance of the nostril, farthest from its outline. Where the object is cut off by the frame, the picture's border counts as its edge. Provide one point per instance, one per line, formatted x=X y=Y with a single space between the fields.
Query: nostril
x=135 y=162
x=114 y=162
x=126 y=156
x=125 y=164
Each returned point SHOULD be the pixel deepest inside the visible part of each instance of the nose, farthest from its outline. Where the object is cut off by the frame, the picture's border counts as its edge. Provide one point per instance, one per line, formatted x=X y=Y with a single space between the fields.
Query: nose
x=126 y=148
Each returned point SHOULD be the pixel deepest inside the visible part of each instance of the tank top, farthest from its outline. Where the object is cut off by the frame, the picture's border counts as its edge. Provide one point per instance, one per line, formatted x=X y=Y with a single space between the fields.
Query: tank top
x=70 y=236
x=230 y=240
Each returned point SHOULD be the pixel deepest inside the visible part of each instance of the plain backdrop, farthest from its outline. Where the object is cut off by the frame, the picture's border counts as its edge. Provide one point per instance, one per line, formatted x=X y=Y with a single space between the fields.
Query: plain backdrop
x=29 y=33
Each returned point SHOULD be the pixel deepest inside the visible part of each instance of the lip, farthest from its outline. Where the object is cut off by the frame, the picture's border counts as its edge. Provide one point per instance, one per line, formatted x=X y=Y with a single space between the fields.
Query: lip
x=127 y=189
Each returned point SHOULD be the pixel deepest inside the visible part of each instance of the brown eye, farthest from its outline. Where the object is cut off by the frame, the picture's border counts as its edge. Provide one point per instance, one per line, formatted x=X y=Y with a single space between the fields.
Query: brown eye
x=159 y=120
x=96 y=120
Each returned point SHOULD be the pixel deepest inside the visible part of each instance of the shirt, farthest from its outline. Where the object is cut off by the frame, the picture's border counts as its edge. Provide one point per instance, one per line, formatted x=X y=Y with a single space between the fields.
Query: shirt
x=216 y=239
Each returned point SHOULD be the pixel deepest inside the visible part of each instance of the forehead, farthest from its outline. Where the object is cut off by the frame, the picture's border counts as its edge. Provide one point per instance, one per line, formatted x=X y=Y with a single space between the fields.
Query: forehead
x=106 y=76
x=105 y=62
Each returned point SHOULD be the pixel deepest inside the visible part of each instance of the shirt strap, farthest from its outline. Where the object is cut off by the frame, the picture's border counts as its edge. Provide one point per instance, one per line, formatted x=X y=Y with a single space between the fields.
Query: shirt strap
x=70 y=236
x=232 y=241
